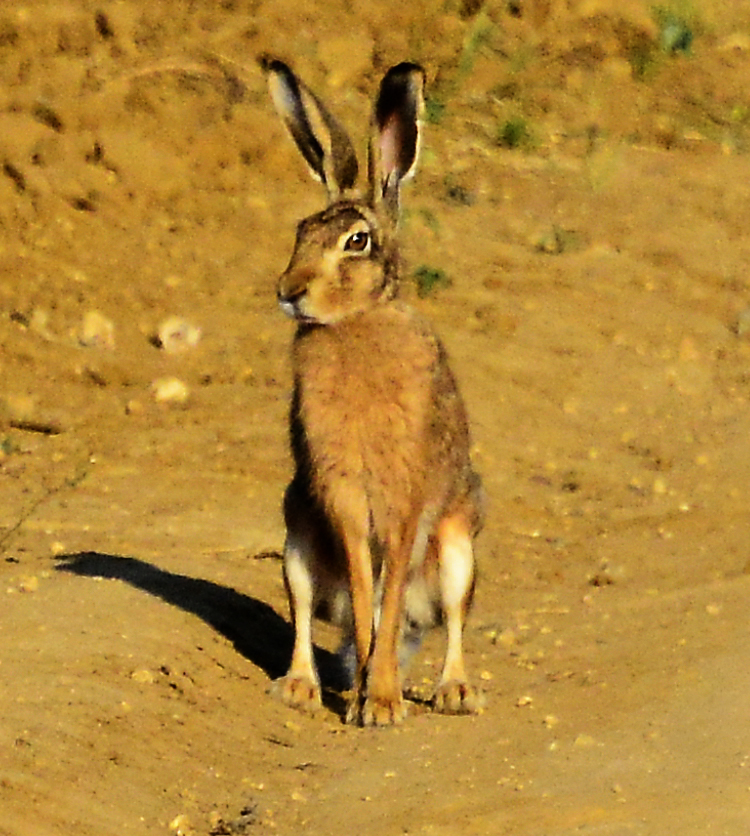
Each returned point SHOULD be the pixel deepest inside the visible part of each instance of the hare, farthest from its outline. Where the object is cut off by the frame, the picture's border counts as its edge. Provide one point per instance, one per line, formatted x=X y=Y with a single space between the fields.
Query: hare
x=384 y=503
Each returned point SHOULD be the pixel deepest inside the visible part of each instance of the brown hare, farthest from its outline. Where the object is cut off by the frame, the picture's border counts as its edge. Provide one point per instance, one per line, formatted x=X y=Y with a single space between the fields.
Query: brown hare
x=384 y=503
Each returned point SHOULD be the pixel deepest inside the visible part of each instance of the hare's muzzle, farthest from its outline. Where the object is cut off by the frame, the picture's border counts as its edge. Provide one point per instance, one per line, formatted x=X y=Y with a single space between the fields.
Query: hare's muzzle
x=291 y=297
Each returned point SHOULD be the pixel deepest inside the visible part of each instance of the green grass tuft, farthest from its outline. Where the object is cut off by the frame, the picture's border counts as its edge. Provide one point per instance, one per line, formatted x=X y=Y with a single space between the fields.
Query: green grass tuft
x=434 y=109
x=676 y=30
x=429 y=279
x=514 y=133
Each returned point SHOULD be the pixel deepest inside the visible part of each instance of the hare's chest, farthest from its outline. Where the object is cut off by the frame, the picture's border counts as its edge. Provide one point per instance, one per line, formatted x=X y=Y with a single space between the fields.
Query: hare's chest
x=356 y=389
x=364 y=402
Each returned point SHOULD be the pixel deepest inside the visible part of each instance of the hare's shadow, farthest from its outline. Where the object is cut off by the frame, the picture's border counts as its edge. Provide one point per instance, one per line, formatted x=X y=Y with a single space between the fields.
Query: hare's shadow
x=256 y=630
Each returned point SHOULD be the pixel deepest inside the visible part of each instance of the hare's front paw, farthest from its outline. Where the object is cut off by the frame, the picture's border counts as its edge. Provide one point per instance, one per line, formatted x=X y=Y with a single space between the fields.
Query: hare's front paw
x=376 y=711
x=457 y=697
x=300 y=692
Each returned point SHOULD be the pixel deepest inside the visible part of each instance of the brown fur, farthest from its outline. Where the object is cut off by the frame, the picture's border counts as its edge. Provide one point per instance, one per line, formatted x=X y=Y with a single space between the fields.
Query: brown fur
x=384 y=502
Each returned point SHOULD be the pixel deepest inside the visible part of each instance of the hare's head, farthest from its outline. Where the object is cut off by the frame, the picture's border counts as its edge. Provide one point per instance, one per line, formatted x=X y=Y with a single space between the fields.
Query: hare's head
x=345 y=257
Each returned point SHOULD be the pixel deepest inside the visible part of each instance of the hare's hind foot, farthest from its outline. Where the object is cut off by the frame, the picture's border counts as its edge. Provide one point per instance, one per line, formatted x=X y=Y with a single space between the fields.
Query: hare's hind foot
x=457 y=697
x=298 y=691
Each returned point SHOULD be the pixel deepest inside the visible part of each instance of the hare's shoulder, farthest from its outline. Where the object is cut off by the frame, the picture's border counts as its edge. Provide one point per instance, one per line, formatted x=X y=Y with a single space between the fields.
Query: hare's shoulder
x=390 y=335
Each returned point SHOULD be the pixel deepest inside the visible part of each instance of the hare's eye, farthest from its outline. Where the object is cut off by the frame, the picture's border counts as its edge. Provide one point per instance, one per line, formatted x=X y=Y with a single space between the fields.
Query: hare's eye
x=357 y=242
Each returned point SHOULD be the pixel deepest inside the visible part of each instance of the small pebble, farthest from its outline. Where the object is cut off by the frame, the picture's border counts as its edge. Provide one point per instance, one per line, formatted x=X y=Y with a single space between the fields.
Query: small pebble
x=29 y=583
x=659 y=486
x=39 y=323
x=143 y=676
x=507 y=638
x=176 y=335
x=736 y=42
x=170 y=390
x=97 y=331
x=181 y=825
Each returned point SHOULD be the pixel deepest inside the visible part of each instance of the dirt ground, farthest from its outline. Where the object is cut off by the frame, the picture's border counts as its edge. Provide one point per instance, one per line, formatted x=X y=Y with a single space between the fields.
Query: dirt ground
x=583 y=208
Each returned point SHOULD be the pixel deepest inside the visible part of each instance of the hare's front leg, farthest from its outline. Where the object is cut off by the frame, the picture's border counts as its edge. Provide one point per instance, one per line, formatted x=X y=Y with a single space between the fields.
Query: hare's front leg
x=359 y=561
x=381 y=702
x=377 y=697
x=454 y=694
x=384 y=703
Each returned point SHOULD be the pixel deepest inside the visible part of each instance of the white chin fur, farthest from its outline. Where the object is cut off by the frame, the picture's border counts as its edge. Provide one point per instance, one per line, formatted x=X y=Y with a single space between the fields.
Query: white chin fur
x=293 y=312
x=289 y=309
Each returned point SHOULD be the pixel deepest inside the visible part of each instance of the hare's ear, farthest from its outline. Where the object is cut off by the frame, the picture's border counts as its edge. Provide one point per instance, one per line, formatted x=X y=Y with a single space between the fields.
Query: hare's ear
x=324 y=144
x=394 y=145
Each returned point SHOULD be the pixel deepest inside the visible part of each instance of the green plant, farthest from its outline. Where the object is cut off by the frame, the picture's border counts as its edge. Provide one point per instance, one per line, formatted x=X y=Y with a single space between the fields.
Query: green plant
x=8 y=446
x=457 y=193
x=428 y=279
x=676 y=28
x=514 y=133
x=431 y=221
x=676 y=24
x=477 y=37
x=434 y=108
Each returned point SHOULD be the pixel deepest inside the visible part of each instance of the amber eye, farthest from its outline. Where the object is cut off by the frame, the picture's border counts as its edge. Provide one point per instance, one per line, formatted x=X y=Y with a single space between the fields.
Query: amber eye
x=357 y=242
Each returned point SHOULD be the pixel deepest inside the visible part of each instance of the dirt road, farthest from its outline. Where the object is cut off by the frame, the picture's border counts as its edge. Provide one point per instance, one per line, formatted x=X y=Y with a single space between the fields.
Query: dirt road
x=583 y=209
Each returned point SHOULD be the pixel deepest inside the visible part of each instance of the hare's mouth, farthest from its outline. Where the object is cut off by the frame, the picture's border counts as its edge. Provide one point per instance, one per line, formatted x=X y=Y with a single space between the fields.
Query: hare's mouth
x=293 y=311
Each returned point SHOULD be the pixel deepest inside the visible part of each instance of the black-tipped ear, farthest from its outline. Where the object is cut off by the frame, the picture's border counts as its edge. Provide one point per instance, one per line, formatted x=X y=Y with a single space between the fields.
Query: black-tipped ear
x=287 y=98
x=395 y=142
x=323 y=143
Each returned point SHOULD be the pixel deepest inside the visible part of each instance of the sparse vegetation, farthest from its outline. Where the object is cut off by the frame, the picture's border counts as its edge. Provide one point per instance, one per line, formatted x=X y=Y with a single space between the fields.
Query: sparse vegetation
x=675 y=29
x=457 y=193
x=556 y=240
x=7 y=447
x=477 y=37
x=429 y=279
x=431 y=221
x=434 y=108
x=514 y=133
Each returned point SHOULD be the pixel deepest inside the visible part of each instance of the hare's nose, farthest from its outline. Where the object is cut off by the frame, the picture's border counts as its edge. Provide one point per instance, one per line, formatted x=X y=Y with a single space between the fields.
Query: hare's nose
x=292 y=285
x=291 y=295
x=291 y=298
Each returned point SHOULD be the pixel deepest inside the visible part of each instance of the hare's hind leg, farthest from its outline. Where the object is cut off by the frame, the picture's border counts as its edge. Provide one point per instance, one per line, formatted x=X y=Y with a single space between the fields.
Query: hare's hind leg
x=454 y=695
x=301 y=686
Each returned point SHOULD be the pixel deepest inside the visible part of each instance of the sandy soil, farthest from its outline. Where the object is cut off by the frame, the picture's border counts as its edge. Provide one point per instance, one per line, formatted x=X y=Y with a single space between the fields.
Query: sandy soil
x=584 y=191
